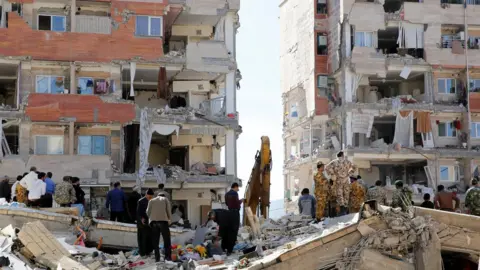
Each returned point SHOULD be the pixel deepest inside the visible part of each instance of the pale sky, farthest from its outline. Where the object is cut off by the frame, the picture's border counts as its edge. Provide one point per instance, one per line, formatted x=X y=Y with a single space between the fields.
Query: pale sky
x=259 y=100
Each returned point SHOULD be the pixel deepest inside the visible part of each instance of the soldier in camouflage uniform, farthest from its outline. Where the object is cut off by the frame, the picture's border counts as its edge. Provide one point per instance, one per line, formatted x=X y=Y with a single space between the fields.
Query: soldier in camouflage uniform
x=340 y=170
x=333 y=208
x=377 y=193
x=357 y=195
x=402 y=196
x=65 y=193
x=321 y=191
x=472 y=198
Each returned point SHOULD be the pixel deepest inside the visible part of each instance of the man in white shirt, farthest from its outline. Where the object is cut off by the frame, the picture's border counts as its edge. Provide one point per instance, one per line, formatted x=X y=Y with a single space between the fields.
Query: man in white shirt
x=37 y=190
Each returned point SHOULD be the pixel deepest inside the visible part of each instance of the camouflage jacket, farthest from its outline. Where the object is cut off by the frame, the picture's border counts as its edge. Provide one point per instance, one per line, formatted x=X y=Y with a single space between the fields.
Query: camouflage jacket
x=321 y=185
x=340 y=169
x=64 y=193
x=377 y=193
x=401 y=198
x=357 y=194
x=472 y=200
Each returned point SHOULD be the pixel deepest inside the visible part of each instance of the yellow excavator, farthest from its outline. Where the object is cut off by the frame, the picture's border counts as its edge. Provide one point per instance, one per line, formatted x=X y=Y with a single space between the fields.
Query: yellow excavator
x=257 y=191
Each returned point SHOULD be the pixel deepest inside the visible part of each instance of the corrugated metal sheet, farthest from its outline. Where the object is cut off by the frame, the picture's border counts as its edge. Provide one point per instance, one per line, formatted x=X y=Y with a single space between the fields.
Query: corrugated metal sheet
x=93 y=24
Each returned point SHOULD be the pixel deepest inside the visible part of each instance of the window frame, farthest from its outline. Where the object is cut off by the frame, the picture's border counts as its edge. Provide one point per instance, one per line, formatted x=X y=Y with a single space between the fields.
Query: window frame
x=475 y=126
x=454 y=173
x=92 y=145
x=49 y=136
x=475 y=83
x=318 y=49
x=447 y=124
x=319 y=10
x=87 y=78
x=149 y=27
x=445 y=80
x=49 y=84
x=322 y=89
x=51 y=22
x=364 y=39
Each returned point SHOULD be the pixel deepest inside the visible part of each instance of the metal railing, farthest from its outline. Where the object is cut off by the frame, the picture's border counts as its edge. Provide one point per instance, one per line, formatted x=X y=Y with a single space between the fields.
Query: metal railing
x=214 y=107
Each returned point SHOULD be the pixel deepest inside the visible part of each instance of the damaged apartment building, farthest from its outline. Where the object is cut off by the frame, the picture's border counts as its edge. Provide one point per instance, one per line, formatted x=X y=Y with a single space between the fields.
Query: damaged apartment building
x=141 y=92
x=387 y=81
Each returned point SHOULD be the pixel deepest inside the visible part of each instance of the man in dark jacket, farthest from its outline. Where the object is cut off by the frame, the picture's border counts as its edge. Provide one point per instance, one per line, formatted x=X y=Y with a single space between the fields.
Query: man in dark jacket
x=234 y=205
x=132 y=202
x=143 y=229
x=116 y=203
x=222 y=218
x=5 y=191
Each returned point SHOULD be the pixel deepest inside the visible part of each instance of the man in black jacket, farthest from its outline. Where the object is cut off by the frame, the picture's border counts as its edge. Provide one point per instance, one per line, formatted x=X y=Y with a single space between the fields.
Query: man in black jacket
x=144 y=231
x=226 y=228
x=5 y=191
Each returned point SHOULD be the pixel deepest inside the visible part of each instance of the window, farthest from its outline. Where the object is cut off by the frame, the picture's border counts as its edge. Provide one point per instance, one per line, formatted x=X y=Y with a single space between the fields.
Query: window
x=475 y=132
x=50 y=84
x=322 y=85
x=446 y=129
x=149 y=26
x=447 y=86
x=474 y=85
x=51 y=23
x=321 y=6
x=449 y=174
x=48 y=145
x=322 y=48
x=364 y=39
x=85 y=86
x=91 y=145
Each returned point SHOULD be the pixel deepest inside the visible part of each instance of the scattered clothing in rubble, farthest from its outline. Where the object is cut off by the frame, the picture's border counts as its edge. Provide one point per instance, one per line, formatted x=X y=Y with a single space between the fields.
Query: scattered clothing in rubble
x=321 y=192
x=357 y=196
x=339 y=170
x=307 y=204
x=378 y=194
x=65 y=193
x=444 y=200
x=21 y=194
x=472 y=200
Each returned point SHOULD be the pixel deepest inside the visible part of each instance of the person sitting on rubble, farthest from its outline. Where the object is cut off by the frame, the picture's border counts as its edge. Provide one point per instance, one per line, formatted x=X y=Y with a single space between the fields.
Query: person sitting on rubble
x=5 y=191
x=377 y=193
x=444 y=200
x=426 y=201
x=402 y=196
x=357 y=195
x=307 y=204
x=472 y=198
x=14 y=189
x=65 y=193
x=36 y=194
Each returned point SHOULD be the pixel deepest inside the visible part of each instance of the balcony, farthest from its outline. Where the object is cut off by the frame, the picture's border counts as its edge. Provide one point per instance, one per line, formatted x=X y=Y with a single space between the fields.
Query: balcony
x=209 y=56
x=429 y=11
x=214 y=108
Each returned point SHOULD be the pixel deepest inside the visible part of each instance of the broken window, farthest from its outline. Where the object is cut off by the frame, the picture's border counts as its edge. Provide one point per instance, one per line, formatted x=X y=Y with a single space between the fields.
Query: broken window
x=149 y=26
x=474 y=85
x=449 y=173
x=364 y=39
x=52 y=23
x=447 y=129
x=447 y=86
x=321 y=6
x=475 y=130
x=91 y=145
x=85 y=86
x=50 y=84
x=322 y=85
x=48 y=145
x=322 y=47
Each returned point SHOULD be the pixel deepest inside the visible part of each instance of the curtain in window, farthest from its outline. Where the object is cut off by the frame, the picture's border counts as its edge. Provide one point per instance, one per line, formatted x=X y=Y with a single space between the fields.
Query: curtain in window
x=141 y=27
x=133 y=68
x=55 y=145
x=58 y=23
x=42 y=84
x=98 y=145
x=359 y=39
x=41 y=145
x=155 y=26
x=84 y=145
x=403 y=130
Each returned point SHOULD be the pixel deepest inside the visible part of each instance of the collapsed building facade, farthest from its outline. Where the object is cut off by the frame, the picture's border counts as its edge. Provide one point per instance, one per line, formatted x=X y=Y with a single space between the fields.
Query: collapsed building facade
x=401 y=101
x=140 y=92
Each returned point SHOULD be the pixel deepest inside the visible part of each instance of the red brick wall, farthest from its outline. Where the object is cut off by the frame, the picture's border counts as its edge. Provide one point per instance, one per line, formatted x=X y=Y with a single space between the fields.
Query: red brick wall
x=475 y=102
x=321 y=105
x=20 y=40
x=321 y=68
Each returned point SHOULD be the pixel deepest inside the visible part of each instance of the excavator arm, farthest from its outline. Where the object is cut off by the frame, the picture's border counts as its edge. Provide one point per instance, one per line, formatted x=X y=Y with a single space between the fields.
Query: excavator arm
x=257 y=192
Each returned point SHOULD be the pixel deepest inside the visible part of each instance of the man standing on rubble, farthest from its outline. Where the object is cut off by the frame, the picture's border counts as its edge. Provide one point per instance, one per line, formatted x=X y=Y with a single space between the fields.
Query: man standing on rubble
x=65 y=193
x=472 y=198
x=234 y=205
x=116 y=202
x=307 y=204
x=339 y=171
x=402 y=196
x=444 y=200
x=144 y=231
x=357 y=195
x=377 y=193
x=321 y=191
x=159 y=212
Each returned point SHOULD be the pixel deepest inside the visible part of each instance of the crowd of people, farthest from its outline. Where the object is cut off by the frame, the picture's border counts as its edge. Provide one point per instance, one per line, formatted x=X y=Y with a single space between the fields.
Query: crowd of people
x=344 y=193
x=37 y=189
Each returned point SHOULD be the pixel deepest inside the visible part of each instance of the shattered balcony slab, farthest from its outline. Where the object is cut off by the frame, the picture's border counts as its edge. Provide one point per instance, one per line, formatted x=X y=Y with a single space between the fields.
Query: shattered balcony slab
x=209 y=56
x=369 y=61
x=388 y=108
x=207 y=7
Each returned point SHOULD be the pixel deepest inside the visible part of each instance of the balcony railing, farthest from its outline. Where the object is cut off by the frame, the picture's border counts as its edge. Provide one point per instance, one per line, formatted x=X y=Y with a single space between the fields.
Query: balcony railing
x=214 y=107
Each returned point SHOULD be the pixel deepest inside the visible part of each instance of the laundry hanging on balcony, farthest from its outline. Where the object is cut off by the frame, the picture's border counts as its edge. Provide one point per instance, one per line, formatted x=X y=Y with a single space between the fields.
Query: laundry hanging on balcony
x=403 y=129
